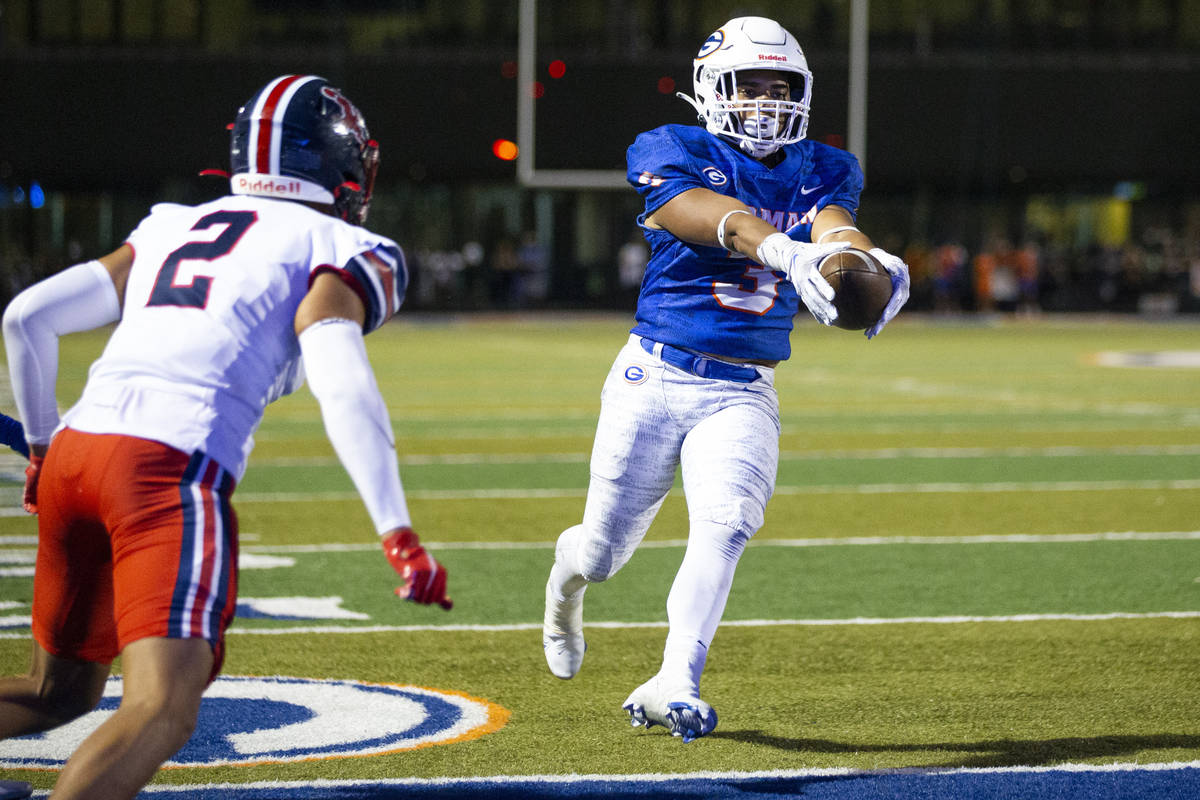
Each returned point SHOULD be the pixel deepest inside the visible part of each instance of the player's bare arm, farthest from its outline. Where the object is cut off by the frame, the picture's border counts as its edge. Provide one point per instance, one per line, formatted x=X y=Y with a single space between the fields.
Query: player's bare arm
x=694 y=216
x=834 y=224
x=329 y=298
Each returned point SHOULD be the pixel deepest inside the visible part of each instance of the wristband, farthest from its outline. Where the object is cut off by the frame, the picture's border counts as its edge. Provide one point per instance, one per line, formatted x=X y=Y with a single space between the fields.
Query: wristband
x=821 y=238
x=721 y=228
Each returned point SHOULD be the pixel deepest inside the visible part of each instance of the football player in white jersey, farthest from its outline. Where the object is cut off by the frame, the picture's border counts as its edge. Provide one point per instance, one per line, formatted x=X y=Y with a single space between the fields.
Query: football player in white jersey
x=738 y=214
x=221 y=309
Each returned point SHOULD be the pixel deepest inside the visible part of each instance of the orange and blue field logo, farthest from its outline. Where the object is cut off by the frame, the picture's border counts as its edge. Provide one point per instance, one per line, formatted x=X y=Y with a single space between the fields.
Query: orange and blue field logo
x=249 y=720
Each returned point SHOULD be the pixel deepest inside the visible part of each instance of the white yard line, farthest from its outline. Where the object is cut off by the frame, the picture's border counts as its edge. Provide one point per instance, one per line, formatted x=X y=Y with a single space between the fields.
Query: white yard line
x=748 y=623
x=15 y=556
x=309 y=630
x=1008 y=538
x=886 y=453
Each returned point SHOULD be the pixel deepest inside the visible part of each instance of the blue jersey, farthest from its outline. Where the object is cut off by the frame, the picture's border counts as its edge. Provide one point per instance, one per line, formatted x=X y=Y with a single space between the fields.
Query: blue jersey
x=705 y=298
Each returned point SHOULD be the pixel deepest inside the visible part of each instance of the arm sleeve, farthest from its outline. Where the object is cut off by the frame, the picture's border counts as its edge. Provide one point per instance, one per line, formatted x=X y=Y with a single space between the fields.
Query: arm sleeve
x=79 y=298
x=356 y=419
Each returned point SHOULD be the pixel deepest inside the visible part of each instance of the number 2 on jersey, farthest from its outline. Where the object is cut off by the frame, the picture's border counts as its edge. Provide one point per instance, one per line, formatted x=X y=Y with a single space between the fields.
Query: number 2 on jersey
x=195 y=294
x=755 y=293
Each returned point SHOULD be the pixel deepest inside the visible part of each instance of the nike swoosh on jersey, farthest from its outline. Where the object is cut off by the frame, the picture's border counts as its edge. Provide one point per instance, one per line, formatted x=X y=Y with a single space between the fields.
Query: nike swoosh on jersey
x=806 y=190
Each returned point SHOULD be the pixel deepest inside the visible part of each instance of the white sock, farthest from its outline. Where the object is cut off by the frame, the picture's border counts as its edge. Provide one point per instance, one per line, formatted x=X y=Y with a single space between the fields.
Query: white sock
x=697 y=601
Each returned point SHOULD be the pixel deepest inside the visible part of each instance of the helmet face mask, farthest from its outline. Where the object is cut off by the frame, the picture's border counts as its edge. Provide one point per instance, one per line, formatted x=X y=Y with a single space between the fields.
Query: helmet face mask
x=759 y=125
x=298 y=138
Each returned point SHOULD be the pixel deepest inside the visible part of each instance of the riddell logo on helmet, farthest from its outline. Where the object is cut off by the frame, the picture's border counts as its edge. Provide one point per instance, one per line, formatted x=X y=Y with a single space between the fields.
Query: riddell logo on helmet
x=771 y=57
x=246 y=184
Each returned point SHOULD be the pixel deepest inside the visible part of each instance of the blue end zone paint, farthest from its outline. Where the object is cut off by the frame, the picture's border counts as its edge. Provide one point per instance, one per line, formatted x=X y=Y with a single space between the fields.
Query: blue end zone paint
x=1161 y=783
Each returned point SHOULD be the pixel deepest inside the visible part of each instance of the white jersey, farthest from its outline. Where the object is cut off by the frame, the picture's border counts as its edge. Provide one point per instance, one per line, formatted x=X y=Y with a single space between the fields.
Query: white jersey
x=206 y=336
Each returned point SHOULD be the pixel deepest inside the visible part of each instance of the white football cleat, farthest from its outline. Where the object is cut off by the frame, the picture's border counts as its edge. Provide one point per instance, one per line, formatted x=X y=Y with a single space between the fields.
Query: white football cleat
x=683 y=713
x=562 y=634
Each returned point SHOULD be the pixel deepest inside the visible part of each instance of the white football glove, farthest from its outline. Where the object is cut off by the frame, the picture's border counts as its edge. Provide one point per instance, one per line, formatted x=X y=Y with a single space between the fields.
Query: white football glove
x=800 y=260
x=898 y=270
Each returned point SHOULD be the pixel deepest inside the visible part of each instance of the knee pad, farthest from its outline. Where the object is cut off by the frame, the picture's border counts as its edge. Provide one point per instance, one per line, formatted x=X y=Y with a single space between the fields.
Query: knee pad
x=584 y=555
x=597 y=562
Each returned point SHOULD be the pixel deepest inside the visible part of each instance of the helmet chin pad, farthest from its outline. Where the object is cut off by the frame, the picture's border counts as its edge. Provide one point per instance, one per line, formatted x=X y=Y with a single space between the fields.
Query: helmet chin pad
x=758 y=149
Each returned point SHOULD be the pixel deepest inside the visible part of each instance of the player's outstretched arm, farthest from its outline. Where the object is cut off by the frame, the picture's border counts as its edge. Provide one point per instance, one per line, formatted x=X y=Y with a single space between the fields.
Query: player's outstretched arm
x=329 y=326
x=702 y=216
x=79 y=298
x=834 y=224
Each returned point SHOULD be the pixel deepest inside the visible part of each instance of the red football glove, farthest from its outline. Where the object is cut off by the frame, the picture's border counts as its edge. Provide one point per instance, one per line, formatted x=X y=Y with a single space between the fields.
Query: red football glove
x=32 y=473
x=424 y=577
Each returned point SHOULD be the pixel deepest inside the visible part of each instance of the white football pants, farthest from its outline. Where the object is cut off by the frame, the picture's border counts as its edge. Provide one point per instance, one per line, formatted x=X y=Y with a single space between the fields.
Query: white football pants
x=725 y=435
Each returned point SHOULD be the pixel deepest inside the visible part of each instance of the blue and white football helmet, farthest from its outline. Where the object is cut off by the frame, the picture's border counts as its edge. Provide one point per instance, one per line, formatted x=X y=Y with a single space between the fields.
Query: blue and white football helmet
x=759 y=126
x=299 y=138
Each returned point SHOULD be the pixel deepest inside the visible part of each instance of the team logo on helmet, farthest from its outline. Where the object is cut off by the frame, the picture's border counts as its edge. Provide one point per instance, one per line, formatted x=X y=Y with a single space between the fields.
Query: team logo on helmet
x=355 y=125
x=712 y=44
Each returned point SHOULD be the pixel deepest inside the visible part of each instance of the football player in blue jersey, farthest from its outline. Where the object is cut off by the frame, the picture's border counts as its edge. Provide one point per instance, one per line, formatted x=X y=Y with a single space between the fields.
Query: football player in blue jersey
x=12 y=434
x=738 y=215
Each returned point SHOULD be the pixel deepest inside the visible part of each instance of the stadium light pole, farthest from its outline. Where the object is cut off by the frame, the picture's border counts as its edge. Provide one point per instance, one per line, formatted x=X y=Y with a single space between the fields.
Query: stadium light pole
x=856 y=123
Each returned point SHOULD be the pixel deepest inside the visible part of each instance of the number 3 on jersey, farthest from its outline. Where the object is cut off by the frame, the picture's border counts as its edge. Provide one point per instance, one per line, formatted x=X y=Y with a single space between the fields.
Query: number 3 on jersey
x=195 y=294
x=755 y=293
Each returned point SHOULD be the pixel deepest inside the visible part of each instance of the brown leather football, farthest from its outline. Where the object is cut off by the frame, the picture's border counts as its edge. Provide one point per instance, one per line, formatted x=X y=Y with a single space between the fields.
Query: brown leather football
x=861 y=286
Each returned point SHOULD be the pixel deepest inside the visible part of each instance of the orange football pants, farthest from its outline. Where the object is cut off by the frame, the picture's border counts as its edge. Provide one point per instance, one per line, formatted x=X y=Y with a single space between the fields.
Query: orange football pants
x=135 y=539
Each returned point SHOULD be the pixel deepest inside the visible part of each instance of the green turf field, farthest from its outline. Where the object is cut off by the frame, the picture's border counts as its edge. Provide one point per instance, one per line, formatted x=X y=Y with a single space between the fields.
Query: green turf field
x=984 y=550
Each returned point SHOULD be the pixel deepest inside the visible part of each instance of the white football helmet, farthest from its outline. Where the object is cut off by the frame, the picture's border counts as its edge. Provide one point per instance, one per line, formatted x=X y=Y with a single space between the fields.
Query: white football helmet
x=760 y=125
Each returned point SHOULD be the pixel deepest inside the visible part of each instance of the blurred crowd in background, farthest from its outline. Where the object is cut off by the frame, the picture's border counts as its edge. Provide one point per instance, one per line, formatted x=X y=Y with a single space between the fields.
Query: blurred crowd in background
x=1097 y=215
x=1156 y=273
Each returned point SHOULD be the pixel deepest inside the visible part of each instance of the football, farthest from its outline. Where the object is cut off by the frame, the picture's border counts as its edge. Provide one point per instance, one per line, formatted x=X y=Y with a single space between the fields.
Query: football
x=861 y=287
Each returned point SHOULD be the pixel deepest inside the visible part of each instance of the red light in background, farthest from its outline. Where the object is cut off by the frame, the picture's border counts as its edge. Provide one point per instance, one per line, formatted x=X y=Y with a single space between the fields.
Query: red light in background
x=537 y=89
x=666 y=85
x=508 y=69
x=557 y=69
x=504 y=150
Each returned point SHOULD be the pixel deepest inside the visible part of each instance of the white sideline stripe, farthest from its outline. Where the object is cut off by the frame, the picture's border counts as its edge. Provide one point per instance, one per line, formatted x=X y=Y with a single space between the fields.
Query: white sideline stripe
x=1010 y=538
x=659 y=777
x=734 y=623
